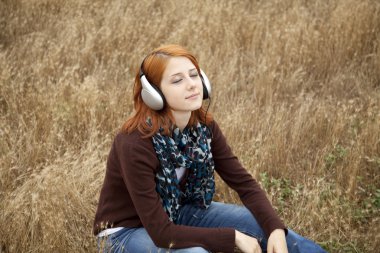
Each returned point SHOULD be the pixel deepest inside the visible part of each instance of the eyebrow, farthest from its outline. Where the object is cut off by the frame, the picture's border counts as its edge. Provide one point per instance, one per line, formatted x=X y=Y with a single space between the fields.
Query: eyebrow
x=181 y=73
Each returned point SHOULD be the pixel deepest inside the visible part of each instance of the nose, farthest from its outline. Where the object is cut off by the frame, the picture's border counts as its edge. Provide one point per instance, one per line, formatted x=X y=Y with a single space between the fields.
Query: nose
x=191 y=83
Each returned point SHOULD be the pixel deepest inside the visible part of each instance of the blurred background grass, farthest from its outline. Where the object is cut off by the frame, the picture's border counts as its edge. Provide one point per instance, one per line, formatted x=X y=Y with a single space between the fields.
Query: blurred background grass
x=296 y=89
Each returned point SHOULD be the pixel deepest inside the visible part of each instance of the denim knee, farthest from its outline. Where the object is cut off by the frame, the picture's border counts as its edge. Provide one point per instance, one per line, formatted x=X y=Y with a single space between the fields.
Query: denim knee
x=297 y=244
x=191 y=250
x=247 y=223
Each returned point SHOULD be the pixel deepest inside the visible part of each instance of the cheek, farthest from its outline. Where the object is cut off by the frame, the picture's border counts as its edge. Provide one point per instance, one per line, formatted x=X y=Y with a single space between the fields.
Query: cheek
x=200 y=82
x=168 y=93
x=172 y=97
x=201 y=87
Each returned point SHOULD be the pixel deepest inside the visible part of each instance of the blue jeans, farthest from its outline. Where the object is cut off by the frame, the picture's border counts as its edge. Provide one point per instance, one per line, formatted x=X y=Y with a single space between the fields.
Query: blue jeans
x=136 y=240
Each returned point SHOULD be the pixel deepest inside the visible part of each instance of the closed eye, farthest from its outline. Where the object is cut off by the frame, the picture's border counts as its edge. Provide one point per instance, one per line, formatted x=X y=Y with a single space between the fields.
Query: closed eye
x=192 y=75
x=177 y=81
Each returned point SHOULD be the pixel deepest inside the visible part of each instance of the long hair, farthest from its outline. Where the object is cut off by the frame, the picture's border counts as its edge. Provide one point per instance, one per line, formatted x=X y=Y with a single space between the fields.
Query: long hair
x=153 y=67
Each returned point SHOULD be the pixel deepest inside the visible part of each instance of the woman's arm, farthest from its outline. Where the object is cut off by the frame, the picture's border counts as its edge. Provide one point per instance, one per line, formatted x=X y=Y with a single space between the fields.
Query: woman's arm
x=237 y=177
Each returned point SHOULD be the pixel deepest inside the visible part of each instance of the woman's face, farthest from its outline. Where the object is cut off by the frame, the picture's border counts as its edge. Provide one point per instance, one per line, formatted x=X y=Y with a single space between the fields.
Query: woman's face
x=182 y=85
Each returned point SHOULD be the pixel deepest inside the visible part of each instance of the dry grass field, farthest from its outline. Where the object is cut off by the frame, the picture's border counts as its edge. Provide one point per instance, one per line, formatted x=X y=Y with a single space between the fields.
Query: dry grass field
x=296 y=89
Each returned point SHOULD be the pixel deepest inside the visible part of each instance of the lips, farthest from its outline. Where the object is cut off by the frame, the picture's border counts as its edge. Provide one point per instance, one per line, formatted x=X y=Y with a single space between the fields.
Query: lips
x=193 y=95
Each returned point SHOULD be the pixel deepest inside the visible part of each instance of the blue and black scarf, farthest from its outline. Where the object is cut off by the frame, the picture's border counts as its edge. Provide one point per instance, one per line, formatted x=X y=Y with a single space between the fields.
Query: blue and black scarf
x=189 y=149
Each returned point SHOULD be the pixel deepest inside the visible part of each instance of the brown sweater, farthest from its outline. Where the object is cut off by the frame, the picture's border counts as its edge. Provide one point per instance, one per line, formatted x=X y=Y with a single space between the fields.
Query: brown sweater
x=129 y=199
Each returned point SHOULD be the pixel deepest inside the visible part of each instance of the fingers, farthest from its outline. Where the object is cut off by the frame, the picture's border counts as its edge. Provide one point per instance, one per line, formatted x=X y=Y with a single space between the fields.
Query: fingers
x=270 y=248
x=277 y=242
x=257 y=248
x=247 y=244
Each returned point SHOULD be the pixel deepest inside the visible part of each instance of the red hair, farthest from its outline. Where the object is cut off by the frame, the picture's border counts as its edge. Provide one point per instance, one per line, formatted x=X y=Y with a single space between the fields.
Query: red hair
x=153 y=67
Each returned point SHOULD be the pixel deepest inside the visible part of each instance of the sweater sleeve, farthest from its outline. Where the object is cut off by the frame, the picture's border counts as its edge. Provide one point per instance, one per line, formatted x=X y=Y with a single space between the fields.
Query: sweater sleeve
x=237 y=177
x=138 y=164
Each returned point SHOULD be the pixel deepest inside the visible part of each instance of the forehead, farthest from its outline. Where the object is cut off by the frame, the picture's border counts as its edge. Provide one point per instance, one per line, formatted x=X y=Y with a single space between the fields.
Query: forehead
x=178 y=64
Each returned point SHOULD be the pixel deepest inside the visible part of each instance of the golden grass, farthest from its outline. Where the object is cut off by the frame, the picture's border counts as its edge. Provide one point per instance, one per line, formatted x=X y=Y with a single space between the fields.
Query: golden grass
x=295 y=89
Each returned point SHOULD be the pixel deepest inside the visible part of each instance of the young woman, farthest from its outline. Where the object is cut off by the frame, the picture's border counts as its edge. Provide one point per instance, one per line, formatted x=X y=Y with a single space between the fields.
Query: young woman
x=159 y=184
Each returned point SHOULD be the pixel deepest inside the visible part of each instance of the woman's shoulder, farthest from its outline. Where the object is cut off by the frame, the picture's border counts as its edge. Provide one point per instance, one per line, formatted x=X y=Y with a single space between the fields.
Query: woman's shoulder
x=133 y=141
x=125 y=136
x=132 y=150
x=214 y=127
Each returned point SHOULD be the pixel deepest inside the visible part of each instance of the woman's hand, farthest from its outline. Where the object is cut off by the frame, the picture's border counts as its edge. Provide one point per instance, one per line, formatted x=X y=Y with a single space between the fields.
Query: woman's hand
x=247 y=244
x=277 y=242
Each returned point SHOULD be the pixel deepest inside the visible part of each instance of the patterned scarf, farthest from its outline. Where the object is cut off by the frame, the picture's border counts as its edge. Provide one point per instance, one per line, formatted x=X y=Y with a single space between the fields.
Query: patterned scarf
x=191 y=150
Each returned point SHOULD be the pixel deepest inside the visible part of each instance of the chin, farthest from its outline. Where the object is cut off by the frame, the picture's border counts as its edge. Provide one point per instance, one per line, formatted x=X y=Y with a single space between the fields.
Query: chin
x=196 y=107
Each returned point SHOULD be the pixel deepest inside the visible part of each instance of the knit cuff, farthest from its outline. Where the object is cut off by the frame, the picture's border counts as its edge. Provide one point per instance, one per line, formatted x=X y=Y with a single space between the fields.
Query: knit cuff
x=225 y=241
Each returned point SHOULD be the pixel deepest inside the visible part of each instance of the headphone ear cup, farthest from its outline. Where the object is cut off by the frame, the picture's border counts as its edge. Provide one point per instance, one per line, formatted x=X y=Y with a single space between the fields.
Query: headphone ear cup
x=151 y=95
x=205 y=92
x=206 y=85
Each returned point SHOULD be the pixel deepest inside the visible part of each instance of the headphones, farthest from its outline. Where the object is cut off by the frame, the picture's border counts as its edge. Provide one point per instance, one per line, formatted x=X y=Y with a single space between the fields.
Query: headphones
x=153 y=97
